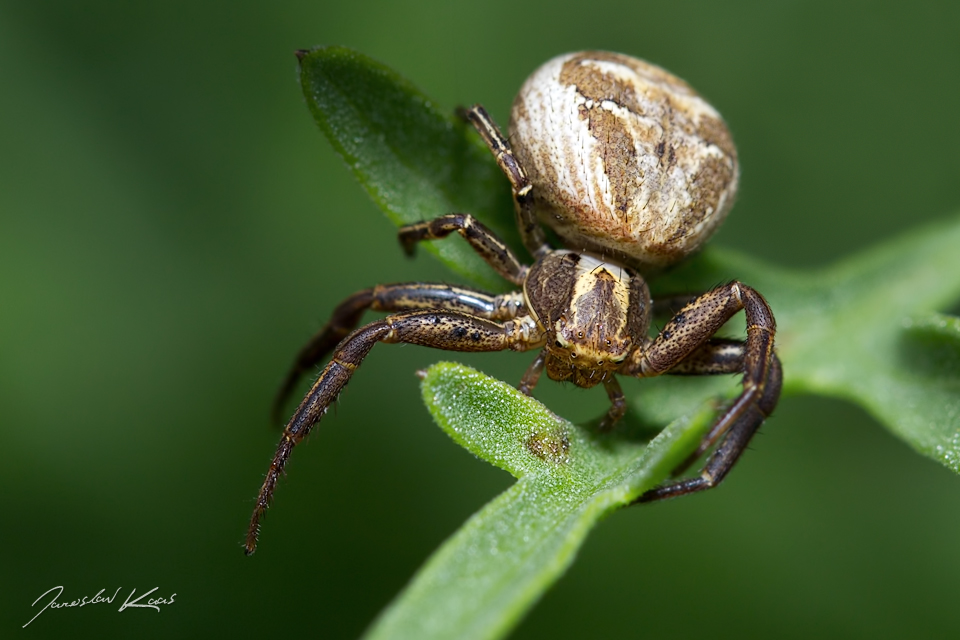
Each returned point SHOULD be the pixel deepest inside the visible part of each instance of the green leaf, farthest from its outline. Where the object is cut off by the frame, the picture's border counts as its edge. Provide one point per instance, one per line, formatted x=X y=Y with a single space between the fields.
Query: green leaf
x=415 y=162
x=484 y=578
x=869 y=329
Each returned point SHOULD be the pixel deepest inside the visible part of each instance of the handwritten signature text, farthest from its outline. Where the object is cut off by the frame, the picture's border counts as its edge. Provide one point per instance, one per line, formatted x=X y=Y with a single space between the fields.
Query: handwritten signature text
x=129 y=603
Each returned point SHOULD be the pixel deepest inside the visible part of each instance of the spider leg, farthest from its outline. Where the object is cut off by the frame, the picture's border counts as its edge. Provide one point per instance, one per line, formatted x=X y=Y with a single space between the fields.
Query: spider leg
x=618 y=404
x=532 y=233
x=684 y=347
x=440 y=329
x=391 y=297
x=484 y=241
x=715 y=356
x=532 y=375
x=734 y=444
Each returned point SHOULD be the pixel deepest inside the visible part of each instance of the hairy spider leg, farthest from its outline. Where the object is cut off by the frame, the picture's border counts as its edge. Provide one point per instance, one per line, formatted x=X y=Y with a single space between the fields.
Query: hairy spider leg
x=449 y=330
x=733 y=445
x=684 y=347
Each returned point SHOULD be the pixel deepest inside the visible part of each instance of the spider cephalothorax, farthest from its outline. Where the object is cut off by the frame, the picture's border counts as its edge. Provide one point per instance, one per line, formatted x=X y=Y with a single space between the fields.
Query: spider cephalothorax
x=593 y=315
x=589 y=315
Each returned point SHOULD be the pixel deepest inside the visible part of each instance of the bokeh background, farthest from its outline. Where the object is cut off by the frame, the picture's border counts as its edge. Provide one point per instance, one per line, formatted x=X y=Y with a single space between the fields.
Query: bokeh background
x=173 y=226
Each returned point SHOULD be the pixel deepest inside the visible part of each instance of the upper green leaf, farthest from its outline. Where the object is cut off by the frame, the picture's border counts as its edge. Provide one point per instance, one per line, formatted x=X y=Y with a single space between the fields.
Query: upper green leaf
x=415 y=161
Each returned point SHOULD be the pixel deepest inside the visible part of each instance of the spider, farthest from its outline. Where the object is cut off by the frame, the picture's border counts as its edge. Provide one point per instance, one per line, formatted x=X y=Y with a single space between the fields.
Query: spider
x=589 y=317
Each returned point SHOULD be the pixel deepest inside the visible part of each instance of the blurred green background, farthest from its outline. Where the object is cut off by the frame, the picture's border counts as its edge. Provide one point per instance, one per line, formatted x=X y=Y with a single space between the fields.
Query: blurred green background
x=173 y=226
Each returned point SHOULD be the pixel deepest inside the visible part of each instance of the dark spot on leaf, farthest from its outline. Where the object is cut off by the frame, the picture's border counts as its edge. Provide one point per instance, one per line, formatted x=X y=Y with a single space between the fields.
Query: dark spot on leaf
x=552 y=446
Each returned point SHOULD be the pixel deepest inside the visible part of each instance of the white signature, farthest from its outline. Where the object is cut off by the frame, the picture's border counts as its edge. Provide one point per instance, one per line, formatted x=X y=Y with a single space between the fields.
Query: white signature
x=152 y=603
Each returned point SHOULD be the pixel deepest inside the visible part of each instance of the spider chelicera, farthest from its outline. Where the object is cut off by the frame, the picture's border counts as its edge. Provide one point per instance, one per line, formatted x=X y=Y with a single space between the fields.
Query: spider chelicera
x=590 y=318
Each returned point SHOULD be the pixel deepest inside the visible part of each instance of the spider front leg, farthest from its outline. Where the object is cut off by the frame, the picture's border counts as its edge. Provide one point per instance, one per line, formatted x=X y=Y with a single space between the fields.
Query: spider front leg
x=392 y=297
x=683 y=347
x=448 y=330
x=532 y=233
x=403 y=297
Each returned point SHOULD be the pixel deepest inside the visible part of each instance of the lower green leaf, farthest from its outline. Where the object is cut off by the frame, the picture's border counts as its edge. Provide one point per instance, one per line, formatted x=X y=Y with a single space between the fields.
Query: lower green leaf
x=479 y=583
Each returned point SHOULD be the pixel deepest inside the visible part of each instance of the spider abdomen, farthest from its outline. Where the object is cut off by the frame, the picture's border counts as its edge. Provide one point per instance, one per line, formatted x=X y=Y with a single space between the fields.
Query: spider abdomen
x=626 y=160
